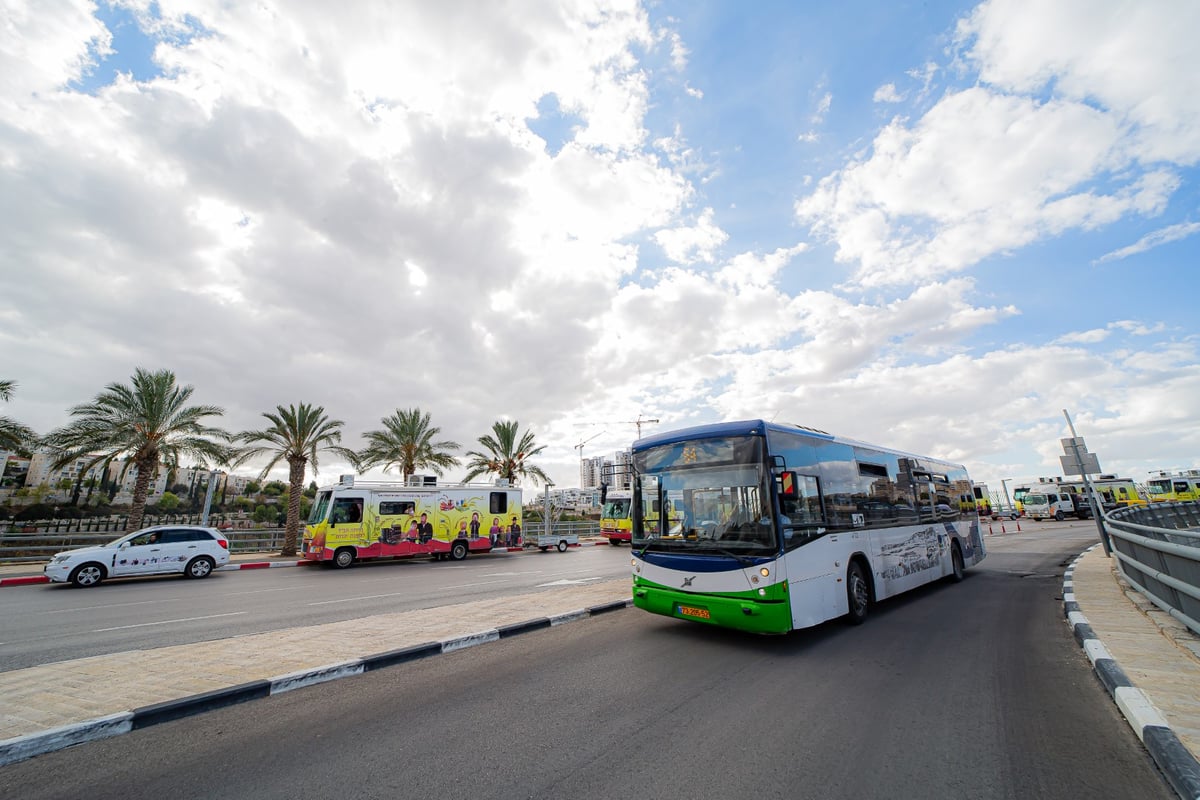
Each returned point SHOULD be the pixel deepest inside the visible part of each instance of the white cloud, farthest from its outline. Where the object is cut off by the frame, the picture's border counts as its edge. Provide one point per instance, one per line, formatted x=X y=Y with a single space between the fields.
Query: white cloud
x=686 y=245
x=887 y=94
x=995 y=167
x=1171 y=233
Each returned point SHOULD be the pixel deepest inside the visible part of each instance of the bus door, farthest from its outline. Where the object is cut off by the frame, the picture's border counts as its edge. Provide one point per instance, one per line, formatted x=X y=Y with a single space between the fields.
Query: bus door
x=346 y=522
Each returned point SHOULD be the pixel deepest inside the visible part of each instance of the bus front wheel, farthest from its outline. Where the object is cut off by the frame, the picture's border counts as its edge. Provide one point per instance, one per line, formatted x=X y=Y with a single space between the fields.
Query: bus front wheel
x=858 y=594
x=458 y=551
x=343 y=558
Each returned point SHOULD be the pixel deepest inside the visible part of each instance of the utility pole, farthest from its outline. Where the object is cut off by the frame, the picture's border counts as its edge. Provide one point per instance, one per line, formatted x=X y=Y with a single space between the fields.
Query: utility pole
x=1097 y=508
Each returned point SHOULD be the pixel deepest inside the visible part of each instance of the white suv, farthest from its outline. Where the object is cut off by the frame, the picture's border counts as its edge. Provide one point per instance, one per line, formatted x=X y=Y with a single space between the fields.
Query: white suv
x=188 y=549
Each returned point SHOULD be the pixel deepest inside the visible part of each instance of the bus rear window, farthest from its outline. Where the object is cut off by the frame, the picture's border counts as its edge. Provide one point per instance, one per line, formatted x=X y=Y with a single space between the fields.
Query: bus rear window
x=498 y=503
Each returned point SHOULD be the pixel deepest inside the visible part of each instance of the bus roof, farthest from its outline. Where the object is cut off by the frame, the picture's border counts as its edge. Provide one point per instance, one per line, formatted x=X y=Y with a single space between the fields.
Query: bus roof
x=758 y=427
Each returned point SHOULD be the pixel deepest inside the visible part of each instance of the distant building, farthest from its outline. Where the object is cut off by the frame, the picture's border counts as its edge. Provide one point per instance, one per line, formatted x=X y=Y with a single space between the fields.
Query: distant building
x=40 y=472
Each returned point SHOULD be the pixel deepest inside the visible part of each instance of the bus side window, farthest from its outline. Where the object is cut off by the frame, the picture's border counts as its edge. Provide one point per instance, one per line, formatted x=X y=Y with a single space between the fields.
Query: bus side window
x=802 y=514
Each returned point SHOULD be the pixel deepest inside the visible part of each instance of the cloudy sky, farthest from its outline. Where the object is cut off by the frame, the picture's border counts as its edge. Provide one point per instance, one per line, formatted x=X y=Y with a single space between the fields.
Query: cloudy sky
x=928 y=225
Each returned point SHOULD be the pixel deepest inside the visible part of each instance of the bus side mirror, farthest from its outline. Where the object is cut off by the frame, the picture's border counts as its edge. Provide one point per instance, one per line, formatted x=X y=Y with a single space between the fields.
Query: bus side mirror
x=786 y=482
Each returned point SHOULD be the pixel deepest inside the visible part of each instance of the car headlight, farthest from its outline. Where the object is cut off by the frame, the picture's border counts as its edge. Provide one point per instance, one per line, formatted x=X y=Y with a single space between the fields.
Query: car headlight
x=60 y=558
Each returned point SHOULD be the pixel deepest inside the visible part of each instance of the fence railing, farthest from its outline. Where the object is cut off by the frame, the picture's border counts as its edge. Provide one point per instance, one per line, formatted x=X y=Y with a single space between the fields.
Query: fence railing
x=19 y=546
x=31 y=548
x=1157 y=548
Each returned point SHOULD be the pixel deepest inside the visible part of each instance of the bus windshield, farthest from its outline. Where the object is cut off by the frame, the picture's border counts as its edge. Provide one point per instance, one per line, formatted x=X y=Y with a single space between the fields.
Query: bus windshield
x=704 y=496
x=616 y=509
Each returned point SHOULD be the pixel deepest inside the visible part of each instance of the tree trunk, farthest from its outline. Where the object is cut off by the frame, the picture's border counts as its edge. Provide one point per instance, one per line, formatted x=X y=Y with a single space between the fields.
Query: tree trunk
x=296 y=467
x=141 y=487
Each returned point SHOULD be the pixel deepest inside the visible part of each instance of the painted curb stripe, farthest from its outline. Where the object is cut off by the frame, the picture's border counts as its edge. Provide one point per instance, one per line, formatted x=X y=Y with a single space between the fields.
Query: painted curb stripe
x=524 y=627
x=616 y=605
x=1175 y=760
x=1112 y=676
x=470 y=640
x=569 y=616
x=20 y=748
x=311 y=677
x=24 y=580
x=169 y=710
x=401 y=656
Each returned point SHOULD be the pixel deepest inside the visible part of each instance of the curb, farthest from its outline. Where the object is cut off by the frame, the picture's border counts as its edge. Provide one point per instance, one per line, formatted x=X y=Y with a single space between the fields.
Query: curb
x=1177 y=763
x=22 y=747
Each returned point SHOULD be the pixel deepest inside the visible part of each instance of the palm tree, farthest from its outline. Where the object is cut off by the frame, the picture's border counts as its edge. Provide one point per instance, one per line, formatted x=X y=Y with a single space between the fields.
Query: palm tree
x=147 y=422
x=506 y=456
x=406 y=443
x=296 y=434
x=13 y=435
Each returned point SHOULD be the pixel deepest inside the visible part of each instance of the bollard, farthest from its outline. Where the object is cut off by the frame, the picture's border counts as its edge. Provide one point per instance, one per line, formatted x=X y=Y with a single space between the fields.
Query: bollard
x=1018 y=526
x=1002 y=530
x=990 y=531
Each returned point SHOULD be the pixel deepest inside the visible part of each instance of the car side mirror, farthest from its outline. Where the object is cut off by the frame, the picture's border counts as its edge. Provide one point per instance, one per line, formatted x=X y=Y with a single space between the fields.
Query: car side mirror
x=124 y=545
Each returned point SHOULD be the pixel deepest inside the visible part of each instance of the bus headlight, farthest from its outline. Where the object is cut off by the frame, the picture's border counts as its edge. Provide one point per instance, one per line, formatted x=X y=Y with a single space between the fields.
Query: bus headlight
x=762 y=592
x=766 y=573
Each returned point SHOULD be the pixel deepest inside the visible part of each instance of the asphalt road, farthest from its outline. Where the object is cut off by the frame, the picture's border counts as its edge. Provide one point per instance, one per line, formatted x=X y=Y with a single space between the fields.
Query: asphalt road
x=47 y=623
x=971 y=690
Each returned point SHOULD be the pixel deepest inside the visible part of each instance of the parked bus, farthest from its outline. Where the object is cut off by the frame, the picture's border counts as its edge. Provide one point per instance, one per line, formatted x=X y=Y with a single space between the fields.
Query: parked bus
x=615 y=524
x=1174 y=488
x=983 y=500
x=354 y=521
x=778 y=527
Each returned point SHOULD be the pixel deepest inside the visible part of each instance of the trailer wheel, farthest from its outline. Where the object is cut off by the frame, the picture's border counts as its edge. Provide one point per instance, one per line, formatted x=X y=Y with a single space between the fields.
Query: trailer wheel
x=562 y=546
x=1058 y=515
x=458 y=551
x=344 y=557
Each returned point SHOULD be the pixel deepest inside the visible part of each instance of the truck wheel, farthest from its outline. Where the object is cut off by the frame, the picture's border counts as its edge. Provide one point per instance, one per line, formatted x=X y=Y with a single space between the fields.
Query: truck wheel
x=458 y=551
x=562 y=547
x=615 y=542
x=1058 y=515
x=344 y=557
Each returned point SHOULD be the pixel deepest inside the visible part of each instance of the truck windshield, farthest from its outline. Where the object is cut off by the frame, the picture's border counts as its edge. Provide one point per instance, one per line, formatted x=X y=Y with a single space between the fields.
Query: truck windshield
x=319 y=508
x=704 y=496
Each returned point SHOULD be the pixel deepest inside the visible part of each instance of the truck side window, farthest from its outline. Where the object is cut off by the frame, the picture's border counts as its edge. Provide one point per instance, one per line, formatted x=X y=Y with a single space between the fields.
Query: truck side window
x=497 y=502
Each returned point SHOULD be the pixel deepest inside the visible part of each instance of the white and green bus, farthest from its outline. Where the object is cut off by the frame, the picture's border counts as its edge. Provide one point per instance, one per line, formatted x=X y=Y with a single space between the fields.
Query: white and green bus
x=775 y=527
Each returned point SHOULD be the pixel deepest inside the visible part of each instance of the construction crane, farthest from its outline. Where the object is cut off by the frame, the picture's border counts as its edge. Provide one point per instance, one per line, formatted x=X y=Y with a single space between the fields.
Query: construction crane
x=579 y=446
x=639 y=422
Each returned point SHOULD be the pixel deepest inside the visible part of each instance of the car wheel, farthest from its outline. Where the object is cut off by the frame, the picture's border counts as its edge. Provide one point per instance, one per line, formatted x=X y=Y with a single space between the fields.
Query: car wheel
x=343 y=558
x=858 y=594
x=199 y=567
x=957 y=560
x=562 y=547
x=86 y=575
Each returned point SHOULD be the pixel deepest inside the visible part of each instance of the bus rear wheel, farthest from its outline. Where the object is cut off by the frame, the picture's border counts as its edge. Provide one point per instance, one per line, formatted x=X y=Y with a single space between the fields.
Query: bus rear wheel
x=858 y=594
x=343 y=558
x=956 y=559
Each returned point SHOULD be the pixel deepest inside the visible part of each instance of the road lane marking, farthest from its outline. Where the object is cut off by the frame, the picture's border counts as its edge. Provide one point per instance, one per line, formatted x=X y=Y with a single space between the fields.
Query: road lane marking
x=168 y=622
x=112 y=605
x=569 y=582
x=279 y=589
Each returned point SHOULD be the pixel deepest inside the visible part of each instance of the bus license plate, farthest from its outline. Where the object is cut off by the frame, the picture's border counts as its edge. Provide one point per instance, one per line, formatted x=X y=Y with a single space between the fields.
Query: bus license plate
x=692 y=611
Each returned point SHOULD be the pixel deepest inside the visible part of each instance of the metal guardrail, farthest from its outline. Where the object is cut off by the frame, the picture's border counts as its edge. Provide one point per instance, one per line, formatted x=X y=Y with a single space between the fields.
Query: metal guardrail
x=1157 y=548
x=18 y=546
x=36 y=548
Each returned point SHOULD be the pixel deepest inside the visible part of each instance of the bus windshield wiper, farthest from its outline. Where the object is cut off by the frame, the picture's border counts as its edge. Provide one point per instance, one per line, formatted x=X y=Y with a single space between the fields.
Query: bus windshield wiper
x=745 y=560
